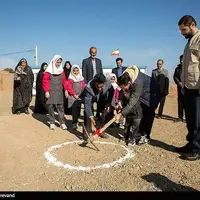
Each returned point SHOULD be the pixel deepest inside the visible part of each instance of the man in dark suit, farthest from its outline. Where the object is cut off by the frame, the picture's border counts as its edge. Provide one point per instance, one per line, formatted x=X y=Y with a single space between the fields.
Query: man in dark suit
x=161 y=76
x=119 y=69
x=91 y=66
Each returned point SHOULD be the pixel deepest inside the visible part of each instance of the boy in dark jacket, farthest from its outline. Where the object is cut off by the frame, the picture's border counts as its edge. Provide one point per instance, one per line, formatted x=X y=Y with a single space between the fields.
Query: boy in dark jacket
x=142 y=99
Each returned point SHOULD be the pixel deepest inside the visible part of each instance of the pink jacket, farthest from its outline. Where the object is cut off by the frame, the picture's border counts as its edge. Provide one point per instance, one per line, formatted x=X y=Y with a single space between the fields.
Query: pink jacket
x=116 y=95
x=46 y=81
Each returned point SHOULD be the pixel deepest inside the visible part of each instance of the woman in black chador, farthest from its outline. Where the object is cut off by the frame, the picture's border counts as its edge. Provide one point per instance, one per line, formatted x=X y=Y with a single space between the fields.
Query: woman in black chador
x=23 y=85
x=40 y=104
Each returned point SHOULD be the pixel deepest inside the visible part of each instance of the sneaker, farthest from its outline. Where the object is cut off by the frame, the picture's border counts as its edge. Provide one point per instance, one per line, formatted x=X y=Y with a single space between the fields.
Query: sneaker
x=52 y=126
x=127 y=141
x=63 y=126
x=143 y=140
x=84 y=143
x=74 y=126
x=191 y=156
x=18 y=113
x=185 y=149
x=27 y=112
x=132 y=143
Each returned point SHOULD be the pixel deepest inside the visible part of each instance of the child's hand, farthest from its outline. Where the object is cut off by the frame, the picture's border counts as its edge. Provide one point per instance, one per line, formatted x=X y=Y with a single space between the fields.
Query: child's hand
x=47 y=95
x=66 y=94
x=76 y=96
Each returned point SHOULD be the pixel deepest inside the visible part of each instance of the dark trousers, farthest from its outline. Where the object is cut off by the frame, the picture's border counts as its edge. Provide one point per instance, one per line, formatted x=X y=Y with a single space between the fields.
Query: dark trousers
x=87 y=121
x=60 y=110
x=161 y=106
x=76 y=110
x=147 y=120
x=131 y=129
x=181 y=106
x=192 y=114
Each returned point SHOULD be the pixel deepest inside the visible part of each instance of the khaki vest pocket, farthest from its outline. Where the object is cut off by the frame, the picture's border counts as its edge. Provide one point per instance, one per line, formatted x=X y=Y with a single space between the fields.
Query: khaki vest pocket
x=195 y=54
x=193 y=76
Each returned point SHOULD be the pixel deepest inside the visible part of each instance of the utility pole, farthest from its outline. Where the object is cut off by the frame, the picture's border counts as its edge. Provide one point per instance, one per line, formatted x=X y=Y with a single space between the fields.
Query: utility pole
x=36 y=56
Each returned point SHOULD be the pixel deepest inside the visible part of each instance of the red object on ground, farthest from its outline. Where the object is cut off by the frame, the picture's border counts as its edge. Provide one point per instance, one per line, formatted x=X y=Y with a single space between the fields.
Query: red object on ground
x=98 y=131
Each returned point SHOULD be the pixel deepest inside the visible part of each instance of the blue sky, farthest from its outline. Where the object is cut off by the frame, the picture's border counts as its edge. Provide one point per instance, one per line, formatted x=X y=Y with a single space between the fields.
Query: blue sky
x=144 y=30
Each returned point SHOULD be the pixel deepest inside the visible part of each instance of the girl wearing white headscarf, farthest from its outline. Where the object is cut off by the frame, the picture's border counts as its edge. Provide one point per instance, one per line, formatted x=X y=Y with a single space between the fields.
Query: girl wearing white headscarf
x=113 y=79
x=53 y=82
x=76 y=85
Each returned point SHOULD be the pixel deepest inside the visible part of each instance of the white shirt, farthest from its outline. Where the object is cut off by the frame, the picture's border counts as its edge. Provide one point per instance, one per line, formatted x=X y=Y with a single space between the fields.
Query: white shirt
x=94 y=67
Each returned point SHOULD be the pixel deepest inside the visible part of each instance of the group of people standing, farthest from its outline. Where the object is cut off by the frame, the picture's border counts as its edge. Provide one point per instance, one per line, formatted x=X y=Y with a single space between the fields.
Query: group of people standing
x=63 y=89
x=126 y=92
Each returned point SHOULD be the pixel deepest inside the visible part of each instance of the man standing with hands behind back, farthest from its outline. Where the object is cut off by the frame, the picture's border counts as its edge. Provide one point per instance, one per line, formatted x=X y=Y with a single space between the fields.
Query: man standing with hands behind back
x=91 y=66
x=161 y=76
x=190 y=78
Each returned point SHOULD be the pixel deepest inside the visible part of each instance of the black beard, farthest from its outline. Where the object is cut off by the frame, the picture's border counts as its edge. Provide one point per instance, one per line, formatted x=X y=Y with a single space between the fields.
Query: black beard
x=189 y=35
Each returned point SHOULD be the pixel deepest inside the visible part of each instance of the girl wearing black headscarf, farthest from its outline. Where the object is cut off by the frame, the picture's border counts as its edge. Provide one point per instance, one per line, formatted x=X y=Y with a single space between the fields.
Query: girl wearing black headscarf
x=40 y=105
x=67 y=69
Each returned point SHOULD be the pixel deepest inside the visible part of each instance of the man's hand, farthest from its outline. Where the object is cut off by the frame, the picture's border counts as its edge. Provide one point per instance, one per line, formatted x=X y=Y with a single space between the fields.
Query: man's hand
x=119 y=106
x=66 y=93
x=118 y=116
x=93 y=124
x=47 y=95
x=180 y=84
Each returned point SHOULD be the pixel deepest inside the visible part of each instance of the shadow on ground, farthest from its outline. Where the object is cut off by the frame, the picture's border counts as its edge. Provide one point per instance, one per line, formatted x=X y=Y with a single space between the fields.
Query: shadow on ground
x=165 y=184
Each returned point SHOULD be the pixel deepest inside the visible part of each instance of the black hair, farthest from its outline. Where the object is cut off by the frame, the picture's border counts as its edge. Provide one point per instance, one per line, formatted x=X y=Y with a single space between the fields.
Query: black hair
x=181 y=57
x=118 y=59
x=124 y=79
x=67 y=71
x=68 y=63
x=99 y=78
x=161 y=60
x=187 y=20
x=42 y=66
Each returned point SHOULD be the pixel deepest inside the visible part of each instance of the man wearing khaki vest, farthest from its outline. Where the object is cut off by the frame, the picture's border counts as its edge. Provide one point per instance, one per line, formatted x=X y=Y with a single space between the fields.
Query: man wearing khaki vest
x=190 y=78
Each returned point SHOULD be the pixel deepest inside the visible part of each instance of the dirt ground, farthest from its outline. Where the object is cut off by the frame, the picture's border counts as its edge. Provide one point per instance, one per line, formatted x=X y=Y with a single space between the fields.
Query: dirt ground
x=154 y=167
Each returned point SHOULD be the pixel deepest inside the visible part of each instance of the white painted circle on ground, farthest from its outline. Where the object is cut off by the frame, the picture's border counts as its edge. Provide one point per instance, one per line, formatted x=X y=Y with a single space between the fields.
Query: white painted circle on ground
x=51 y=159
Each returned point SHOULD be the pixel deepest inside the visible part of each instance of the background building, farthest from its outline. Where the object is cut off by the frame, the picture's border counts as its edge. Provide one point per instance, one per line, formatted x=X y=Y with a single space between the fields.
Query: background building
x=106 y=69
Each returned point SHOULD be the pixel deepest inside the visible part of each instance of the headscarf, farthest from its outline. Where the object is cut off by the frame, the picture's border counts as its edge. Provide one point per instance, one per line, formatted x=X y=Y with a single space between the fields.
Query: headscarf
x=20 y=62
x=115 y=86
x=133 y=72
x=76 y=78
x=52 y=69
